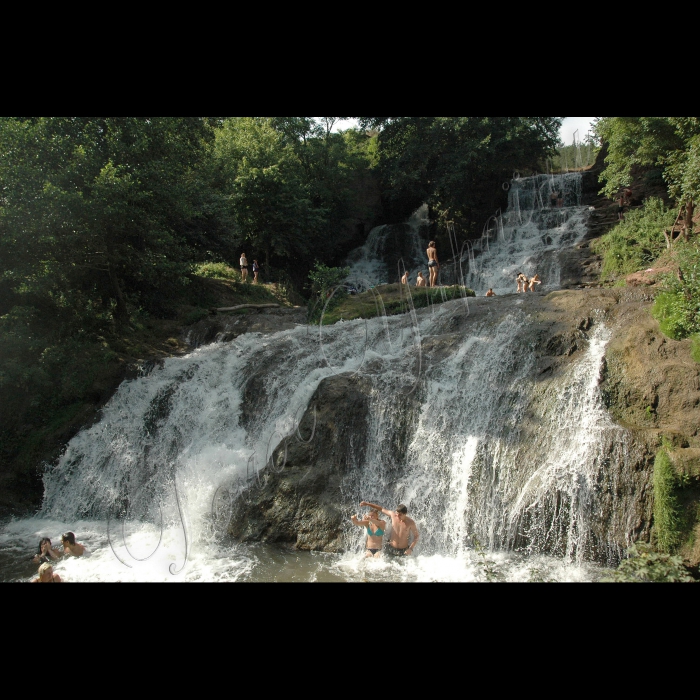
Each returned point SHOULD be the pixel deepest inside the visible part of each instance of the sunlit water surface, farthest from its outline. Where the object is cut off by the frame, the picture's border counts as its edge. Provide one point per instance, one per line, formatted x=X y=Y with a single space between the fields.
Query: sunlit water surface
x=212 y=563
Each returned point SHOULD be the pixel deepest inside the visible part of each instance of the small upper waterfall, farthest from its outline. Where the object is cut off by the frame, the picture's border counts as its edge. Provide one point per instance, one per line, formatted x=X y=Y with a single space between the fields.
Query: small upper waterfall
x=527 y=238
x=377 y=262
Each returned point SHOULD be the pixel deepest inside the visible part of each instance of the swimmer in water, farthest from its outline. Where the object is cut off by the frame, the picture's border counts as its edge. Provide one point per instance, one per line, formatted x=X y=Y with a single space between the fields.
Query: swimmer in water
x=403 y=530
x=376 y=529
x=490 y=293
x=46 y=553
x=46 y=575
x=71 y=548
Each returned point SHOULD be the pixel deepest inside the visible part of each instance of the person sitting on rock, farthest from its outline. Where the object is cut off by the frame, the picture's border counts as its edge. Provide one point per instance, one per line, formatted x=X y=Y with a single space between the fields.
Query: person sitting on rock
x=376 y=529
x=421 y=282
x=46 y=575
x=404 y=279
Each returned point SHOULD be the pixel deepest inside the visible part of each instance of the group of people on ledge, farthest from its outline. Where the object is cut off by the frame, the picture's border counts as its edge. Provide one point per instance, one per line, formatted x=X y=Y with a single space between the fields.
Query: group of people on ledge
x=404 y=536
x=527 y=284
x=48 y=555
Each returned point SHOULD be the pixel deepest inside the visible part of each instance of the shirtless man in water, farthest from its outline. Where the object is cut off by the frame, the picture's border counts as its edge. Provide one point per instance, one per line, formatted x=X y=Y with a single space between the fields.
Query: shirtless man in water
x=72 y=548
x=402 y=530
x=433 y=264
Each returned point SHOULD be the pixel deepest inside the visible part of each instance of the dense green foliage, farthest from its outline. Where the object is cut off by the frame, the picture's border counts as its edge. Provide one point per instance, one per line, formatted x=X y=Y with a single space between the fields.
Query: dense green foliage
x=575 y=157
x=297 y=190
x=646 y=565
x=670 y=143
x=459 y=164
x=678 y=307
x=636 y=243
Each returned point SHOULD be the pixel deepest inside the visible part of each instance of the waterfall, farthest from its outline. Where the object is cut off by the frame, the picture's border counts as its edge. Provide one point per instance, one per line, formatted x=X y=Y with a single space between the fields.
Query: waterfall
x=526 y=239
x=377 y=262
x=462 y=425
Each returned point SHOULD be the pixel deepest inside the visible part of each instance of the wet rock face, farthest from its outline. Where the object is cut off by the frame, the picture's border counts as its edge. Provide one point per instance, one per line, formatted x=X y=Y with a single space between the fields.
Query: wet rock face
x=227 y=327
x=650 y=386
x=299 y=499
x=652 y=383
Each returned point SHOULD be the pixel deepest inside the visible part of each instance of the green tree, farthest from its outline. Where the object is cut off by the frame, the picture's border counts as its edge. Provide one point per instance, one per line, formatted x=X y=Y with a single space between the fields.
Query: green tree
x=297 y=189
x=95 y=211
x=458 y=164
x=669 y=143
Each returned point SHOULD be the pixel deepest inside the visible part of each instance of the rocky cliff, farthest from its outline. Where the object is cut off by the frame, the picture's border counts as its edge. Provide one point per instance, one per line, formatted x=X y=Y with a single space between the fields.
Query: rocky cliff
x=650 y=385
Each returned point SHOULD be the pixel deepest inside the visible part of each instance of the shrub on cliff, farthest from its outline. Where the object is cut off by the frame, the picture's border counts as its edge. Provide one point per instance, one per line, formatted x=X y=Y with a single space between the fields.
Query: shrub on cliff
x=696 y=348
x=678 y=308
x=635 y=243
x=667 y=517
x=645 y=565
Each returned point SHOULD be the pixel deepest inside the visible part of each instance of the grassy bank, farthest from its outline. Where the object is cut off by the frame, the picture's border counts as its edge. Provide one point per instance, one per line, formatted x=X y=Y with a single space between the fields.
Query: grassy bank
x=389 y=300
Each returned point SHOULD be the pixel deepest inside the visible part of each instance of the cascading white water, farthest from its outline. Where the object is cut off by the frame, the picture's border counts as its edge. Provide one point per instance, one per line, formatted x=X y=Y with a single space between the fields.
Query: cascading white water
x=169 y=441
x=526 y=239
x=372 y=265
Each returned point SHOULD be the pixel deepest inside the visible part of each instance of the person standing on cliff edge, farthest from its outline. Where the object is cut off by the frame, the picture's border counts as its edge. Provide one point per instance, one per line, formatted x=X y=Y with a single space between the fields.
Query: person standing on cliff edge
x=403 y=528
x=433 y=264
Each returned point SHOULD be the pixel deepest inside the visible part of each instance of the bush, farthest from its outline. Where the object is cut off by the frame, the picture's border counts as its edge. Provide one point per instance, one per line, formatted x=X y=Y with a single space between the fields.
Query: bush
x=667 y=517
x=645 y=565
x=325 y=279
x=672 y=312
x=635 y=243
x=218 y=271
x=678 y=308
x=696 y=348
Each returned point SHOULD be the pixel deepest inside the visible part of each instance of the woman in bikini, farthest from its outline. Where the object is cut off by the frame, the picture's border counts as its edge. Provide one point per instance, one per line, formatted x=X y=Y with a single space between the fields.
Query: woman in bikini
x=376 y=529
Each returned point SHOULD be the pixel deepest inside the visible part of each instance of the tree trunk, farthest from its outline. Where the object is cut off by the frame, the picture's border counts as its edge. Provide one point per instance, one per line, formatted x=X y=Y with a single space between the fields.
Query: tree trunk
x=121 y=312
x=689 y=214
